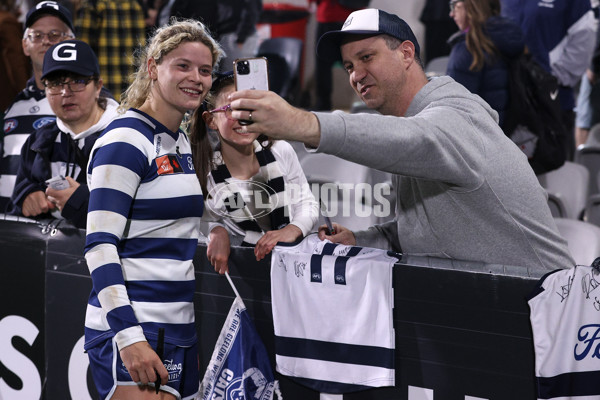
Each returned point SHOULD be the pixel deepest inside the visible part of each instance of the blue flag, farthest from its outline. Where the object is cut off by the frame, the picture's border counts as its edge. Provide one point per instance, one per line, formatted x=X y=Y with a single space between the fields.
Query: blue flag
x=239 y=368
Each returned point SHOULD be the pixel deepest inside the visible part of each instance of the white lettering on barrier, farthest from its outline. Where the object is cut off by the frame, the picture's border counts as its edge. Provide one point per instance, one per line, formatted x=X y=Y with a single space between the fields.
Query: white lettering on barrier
x=78 y=367
x=12 y=326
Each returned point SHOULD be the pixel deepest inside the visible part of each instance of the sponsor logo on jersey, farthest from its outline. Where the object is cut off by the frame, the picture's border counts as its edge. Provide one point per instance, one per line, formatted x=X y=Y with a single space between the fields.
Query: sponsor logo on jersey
x=43 y=121
x=588 y=344
x=174 y=370
x=168 y=164
x=546 y=3
x=34 y=109
x=10 y=125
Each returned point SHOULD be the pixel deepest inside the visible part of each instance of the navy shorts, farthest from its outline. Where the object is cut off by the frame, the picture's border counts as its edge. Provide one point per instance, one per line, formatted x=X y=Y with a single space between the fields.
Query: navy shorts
x=182 y=363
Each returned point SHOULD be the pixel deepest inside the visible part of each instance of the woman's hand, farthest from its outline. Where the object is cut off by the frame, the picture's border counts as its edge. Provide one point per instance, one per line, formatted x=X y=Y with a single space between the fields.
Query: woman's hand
x=142 y=363
x=218 y=249
x=266 y=243
x=60 y=197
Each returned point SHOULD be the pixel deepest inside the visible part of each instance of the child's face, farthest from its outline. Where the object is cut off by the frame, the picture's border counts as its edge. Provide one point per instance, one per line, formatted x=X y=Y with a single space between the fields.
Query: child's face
x=229 y=129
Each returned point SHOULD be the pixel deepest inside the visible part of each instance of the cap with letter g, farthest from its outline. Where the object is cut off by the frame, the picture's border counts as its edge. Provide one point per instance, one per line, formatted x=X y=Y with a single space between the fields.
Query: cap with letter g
x=49 y=8
x=370 y=21
x=73 y=56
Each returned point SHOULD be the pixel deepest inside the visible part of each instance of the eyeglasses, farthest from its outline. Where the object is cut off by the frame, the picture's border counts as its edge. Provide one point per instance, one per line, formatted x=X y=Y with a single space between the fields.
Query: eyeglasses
x=226 y=109
x=53 y=36
x=74 y=85
x=453 y=4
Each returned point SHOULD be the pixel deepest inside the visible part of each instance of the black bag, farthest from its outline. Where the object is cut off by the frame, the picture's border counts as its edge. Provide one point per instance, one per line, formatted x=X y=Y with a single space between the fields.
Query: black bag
x=533 y=118
x=355 y=3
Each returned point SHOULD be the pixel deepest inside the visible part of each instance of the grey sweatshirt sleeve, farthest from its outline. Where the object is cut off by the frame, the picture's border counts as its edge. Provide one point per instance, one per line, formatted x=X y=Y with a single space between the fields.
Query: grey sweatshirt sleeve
x=430 y=146
x=383 y=236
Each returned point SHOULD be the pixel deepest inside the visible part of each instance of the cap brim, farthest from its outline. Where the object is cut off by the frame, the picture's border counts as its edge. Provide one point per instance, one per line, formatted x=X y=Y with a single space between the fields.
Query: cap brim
x=328 y=46
x=74 y=69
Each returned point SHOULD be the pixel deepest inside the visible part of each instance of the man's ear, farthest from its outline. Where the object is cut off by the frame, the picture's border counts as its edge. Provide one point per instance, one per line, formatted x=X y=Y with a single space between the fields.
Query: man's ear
x=152 y=69
x=408 y=50
x=209 y=120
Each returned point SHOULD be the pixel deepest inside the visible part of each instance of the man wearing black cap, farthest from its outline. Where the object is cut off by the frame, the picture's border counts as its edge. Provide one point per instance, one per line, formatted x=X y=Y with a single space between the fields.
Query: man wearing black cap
x=463 y=189
x=60 y=149
x=46 y=24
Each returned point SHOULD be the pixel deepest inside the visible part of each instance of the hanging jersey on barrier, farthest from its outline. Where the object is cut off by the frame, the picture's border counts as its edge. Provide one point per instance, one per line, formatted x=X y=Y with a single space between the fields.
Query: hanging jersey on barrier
x=332 y=315
x=565 y=318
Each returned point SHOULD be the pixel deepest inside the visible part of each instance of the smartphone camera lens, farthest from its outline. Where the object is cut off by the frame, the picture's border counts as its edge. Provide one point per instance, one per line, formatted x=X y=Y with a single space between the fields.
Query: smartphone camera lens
x=243 y=67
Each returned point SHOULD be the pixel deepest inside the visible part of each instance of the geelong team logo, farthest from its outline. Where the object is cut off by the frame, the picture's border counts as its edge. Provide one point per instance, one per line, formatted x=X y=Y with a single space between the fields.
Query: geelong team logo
x=65 y=52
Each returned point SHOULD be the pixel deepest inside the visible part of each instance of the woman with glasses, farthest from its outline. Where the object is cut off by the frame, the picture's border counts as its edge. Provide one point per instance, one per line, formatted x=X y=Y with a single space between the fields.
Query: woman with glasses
x=144 y=223
x=256 y=187
x=481 y=48
x=61 y=148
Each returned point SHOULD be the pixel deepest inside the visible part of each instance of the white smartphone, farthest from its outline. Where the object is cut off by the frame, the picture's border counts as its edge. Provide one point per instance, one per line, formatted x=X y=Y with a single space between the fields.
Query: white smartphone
x=58 y=182
x=252 y=74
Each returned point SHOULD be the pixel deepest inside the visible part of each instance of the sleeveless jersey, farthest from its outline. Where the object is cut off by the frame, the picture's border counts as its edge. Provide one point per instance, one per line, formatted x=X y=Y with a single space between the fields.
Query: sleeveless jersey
x=565 y=318
x=332 y=315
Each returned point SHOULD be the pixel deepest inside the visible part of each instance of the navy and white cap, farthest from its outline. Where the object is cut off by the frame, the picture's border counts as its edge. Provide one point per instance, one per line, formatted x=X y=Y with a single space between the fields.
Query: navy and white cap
x=49 y=8
x=370 y=21
x=73 y=56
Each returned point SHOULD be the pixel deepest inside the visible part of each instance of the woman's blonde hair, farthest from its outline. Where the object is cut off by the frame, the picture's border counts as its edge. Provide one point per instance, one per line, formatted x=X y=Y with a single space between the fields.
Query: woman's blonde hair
x=478 y=42
x=164 y=40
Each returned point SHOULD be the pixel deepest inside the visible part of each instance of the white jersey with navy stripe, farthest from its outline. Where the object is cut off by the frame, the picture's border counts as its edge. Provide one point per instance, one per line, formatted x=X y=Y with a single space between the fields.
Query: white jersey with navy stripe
x=565 y=318
x=142 y=230
x=30 y=111
x=332 y=315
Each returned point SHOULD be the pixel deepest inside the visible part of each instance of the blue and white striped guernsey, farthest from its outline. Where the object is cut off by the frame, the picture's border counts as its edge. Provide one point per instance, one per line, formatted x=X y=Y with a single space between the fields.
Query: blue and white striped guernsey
x=332 y=315
x=142 y=232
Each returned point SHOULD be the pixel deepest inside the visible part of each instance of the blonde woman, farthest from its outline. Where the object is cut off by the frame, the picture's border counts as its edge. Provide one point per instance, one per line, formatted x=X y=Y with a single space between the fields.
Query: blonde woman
x=143 y=225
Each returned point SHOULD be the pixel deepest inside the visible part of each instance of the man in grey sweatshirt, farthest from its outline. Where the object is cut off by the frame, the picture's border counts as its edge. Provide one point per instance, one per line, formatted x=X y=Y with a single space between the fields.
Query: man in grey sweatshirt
x=464 y=190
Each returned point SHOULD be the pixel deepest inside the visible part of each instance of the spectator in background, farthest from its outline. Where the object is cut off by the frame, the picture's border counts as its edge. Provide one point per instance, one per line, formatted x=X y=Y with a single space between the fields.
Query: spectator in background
x=62 y=148
x=45 y=25
x=236 y=29
x=205 y=11
x=438 y=28
x=330 y=16
x=481 y=48
x=463 y=189
x=14 y=65
x=561 y=35
x=587 y=111
x=114 y=30
x=242 y=163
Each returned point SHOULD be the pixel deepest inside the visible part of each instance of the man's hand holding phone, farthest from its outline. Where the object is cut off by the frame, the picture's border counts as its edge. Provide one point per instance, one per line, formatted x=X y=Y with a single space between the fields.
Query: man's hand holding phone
x=250 y=74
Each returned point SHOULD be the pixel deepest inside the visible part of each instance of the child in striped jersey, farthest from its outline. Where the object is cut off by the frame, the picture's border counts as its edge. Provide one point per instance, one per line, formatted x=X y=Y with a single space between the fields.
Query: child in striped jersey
x=256 y=187
x=143 y=225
